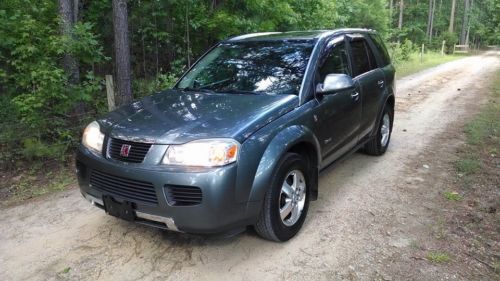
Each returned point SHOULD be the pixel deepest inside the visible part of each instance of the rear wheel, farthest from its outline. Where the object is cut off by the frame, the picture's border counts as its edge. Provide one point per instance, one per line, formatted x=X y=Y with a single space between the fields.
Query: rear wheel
x=287 y=201
x=378 y=145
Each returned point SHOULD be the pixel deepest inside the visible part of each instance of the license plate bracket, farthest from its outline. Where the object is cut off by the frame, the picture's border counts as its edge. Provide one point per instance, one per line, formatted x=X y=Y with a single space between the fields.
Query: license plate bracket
x=117 y=209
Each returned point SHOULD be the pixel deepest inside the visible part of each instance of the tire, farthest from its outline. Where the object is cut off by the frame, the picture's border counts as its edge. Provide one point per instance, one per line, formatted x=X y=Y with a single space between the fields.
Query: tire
x=293 y=171
x=379 y=143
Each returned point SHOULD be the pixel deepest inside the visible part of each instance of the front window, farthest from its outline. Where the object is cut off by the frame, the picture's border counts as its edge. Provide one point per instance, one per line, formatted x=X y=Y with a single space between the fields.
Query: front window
x=270 y=67
x=335 y=62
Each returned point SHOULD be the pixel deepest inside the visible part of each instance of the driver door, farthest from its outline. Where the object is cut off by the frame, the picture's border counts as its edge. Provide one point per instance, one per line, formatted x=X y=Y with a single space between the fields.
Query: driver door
x=339 y=113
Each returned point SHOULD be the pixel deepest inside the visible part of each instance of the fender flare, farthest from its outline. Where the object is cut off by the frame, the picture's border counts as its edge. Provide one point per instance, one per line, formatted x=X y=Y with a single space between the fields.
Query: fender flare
x=283 y=142
x=379 y=114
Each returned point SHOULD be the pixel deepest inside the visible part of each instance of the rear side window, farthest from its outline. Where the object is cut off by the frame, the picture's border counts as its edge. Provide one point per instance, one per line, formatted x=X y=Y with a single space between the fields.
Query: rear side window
x=361 y=57
x=382 y=50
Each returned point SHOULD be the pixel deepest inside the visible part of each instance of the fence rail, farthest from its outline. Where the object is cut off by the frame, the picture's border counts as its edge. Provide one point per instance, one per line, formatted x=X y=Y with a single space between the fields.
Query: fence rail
x=461 y=49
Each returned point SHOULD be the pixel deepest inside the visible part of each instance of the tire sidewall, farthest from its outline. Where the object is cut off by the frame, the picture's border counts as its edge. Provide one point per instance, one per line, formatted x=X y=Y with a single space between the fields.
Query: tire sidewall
x=290 y=162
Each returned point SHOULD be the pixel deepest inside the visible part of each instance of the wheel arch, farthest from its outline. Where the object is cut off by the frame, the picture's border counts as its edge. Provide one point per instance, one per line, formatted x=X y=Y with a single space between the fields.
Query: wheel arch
x=308 y=150
x=389 y=100
x=297 y=139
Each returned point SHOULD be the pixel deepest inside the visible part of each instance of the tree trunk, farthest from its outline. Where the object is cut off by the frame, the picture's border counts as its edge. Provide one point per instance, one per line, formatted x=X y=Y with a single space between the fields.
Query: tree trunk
x=429 y=19
x=157 y=60
x=452 y=16
x=170 y=27
x=391 y=8
x=463 y=32
x=69 y=13
x=188 y=47
x=432 y=19
x=465 y=23
x=401 y=8
x=469 y=21
x=122 y=52
x=76 y=8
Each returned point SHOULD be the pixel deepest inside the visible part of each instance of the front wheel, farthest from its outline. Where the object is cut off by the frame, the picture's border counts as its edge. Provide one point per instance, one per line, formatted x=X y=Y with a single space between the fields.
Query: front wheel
x=378 y=145
x=287 y=201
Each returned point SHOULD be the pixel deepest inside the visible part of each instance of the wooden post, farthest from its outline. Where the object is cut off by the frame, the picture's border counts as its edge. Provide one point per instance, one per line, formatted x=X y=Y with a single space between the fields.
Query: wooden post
x=422 y=53
x=110 y=92
x=442 y=47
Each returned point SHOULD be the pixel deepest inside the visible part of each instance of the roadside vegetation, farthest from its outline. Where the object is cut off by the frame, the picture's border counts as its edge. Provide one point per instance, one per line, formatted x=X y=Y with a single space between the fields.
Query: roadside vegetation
x=472 y=199
x=54 y=58
x=416 y=63
x=438 y=257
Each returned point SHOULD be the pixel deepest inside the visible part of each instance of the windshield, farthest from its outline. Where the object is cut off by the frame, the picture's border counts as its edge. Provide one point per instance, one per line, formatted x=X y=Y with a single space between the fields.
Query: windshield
x=271 y=67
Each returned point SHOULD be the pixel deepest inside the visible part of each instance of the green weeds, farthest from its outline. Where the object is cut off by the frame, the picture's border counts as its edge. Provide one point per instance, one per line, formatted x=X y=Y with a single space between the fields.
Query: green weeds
x=438 y=257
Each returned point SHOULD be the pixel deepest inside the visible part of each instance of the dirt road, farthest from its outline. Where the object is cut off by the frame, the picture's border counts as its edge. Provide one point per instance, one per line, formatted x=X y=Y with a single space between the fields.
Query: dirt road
x=364 y=218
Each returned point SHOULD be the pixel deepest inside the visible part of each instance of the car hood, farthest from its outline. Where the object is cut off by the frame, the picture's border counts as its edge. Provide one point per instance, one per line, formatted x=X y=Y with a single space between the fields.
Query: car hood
x=175 y=116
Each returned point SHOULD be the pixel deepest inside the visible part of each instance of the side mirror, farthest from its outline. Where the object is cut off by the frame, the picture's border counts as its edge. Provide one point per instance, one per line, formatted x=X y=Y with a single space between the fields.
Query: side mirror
x=334 y=83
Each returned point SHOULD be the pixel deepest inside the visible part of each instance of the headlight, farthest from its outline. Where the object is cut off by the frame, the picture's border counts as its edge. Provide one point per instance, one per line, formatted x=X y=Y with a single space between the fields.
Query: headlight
x=207 y=153
x=92 y=137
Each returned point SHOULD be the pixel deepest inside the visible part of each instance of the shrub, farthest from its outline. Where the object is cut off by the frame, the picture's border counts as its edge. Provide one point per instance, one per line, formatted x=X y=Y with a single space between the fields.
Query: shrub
x=401 y=52
x=451 y=39
x=40 y=119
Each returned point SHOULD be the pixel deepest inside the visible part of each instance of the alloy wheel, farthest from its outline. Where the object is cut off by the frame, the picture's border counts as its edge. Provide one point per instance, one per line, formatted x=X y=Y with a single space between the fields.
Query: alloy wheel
x=385 y=130
x=292 y=197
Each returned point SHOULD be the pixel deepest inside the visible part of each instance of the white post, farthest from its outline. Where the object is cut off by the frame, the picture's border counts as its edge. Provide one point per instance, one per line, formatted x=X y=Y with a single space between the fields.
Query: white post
x=442 y=47
x=110 y=92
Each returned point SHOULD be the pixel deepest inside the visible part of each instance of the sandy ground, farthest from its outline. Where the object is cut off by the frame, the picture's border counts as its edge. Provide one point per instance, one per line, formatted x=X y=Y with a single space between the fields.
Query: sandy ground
x=366 y=213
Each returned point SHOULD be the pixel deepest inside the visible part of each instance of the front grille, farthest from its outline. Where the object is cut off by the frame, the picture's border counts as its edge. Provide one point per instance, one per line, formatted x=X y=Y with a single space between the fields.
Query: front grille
x=183 y=195
x=137 y=152
x=128 y=189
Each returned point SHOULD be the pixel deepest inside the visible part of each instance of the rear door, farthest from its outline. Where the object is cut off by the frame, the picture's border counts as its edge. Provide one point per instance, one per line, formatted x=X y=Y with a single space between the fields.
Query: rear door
x=370 y=79
x=383 y=61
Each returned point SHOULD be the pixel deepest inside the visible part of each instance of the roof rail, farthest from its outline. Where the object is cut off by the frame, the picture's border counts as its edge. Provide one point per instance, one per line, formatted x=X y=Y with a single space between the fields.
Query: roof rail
x=250 y=35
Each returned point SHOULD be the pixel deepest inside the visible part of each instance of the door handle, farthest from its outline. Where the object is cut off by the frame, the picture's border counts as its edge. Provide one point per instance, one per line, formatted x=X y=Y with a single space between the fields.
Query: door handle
x=380 y=83
x=355 y=96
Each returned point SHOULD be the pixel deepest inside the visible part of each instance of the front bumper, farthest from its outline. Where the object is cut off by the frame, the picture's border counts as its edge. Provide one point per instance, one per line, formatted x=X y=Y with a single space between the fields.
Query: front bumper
x=145 y=218
x=218 y=211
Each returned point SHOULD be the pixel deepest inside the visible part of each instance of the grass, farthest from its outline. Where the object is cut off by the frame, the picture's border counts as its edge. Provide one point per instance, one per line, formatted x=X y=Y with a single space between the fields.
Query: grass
x=452 y=196
x=476 y=160
x=477 y=176
x=482 y=135
x=467 y=166
x=63 y=273
x=430 y=59
x=438 y=257
x=487 y=122
x=36 y=182
x=439 y=230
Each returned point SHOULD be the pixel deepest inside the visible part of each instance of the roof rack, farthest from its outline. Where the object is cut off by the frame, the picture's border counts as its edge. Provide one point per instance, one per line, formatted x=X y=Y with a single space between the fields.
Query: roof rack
x=250 y=35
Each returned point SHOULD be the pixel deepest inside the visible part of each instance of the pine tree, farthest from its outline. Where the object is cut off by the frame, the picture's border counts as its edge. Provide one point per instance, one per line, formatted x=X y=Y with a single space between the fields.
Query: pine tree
x=122 y=52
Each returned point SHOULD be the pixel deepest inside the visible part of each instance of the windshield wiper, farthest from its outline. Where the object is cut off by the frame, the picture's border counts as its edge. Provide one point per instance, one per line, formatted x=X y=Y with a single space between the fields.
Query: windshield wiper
x=191 y=89
x=236 y=91
x=215 y=83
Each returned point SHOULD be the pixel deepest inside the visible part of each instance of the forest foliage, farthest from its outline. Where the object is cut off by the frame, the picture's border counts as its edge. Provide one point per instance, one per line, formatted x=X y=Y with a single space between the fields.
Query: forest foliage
x=43 y=112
